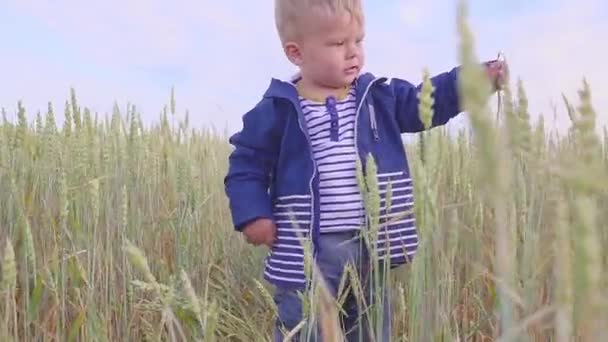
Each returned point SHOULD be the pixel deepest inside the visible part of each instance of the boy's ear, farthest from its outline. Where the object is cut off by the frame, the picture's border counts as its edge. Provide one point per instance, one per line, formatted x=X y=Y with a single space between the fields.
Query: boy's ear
x=293 y=53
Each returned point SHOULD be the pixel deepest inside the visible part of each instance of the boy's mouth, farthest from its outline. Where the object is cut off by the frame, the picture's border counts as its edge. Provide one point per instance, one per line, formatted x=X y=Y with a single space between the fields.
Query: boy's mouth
x=352 y=70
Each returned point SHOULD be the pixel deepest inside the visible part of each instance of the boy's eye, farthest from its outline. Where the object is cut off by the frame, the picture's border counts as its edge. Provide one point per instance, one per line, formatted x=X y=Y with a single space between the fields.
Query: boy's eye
x=338 y=43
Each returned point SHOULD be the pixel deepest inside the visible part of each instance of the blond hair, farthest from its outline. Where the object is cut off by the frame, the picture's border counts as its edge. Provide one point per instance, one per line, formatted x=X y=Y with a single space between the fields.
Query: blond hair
x=291 y=14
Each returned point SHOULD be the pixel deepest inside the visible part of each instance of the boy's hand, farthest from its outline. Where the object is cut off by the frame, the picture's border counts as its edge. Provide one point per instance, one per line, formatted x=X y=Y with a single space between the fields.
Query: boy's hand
x=260 y=232
x=498 y=72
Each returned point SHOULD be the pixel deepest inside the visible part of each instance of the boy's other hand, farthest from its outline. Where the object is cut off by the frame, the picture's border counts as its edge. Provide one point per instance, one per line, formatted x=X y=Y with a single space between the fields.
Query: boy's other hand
x=261 y=232
x=498 y=72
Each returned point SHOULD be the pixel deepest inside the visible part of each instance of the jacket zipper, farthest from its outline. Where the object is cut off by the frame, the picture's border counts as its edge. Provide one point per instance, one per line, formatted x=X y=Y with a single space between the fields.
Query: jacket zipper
x=314 y=172
x=373 y=123
x=314 y=169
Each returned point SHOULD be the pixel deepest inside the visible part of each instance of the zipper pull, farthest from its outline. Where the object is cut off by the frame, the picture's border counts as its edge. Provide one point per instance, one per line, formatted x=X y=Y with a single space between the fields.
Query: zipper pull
x=372 y=119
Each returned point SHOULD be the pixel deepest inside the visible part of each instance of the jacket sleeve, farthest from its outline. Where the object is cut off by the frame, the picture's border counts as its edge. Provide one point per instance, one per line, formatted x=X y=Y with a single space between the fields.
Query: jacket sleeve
x=250 y=165
x=446 y=101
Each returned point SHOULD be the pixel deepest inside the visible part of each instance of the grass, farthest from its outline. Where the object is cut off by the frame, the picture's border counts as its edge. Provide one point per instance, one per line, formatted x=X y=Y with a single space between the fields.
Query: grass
x=110 y=230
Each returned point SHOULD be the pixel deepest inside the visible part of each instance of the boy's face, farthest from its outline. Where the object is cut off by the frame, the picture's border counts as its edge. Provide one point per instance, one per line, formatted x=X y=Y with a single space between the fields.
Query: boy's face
x=329 y=51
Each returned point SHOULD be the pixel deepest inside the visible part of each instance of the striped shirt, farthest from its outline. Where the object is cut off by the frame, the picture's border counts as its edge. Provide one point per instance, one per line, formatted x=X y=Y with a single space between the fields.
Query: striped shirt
x=331 y=127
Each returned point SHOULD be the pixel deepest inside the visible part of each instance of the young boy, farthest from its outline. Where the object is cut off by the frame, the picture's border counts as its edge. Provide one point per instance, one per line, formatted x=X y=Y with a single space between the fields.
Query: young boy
x=292 y=175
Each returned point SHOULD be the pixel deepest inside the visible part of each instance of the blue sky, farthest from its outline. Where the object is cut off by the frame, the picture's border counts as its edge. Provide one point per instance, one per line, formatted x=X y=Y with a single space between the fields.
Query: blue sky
x=220 y=55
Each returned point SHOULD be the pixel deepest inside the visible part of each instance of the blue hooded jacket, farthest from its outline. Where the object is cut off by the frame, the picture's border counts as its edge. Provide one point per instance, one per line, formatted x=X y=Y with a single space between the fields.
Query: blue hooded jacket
x=272 y=172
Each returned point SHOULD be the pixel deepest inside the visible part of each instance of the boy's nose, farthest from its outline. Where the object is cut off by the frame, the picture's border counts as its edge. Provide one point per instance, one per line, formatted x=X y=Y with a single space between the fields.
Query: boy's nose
x=352 y=52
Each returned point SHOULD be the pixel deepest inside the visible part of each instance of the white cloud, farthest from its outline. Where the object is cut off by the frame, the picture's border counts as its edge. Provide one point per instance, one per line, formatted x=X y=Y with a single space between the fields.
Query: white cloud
x=131 y=31
x=216 y=45
x=551 y=50
x=230 y=49
x=569 y=50
x=416 y=13
x=44 y=81
x=551 y=47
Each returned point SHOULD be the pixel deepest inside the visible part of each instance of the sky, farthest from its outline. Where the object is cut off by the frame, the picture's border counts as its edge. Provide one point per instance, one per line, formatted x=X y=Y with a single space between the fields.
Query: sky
x=221 y=55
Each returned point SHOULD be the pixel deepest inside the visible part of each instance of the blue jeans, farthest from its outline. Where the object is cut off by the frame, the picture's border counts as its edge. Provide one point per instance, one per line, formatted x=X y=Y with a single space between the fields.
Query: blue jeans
x=337 y=250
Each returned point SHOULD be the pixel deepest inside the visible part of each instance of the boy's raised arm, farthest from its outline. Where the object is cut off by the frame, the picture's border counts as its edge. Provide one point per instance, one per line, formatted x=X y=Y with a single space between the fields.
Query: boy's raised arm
x=250 y=165
x=446 y=101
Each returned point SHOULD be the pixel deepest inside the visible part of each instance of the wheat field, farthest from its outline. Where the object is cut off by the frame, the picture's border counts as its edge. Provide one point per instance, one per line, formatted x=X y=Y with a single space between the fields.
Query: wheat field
x=111 y=230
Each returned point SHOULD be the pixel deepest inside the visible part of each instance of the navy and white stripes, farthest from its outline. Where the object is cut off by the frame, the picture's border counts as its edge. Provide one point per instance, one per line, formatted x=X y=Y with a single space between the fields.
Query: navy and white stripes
x=397 y=237
x=340 y=203
x=331 y=126
x=370 y=122
x=397 y=226
x=292 y=216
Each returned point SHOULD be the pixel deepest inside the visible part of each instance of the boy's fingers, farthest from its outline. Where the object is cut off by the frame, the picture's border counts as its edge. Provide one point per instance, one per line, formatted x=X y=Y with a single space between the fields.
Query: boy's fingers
x=270 y=240
x=252 y=241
